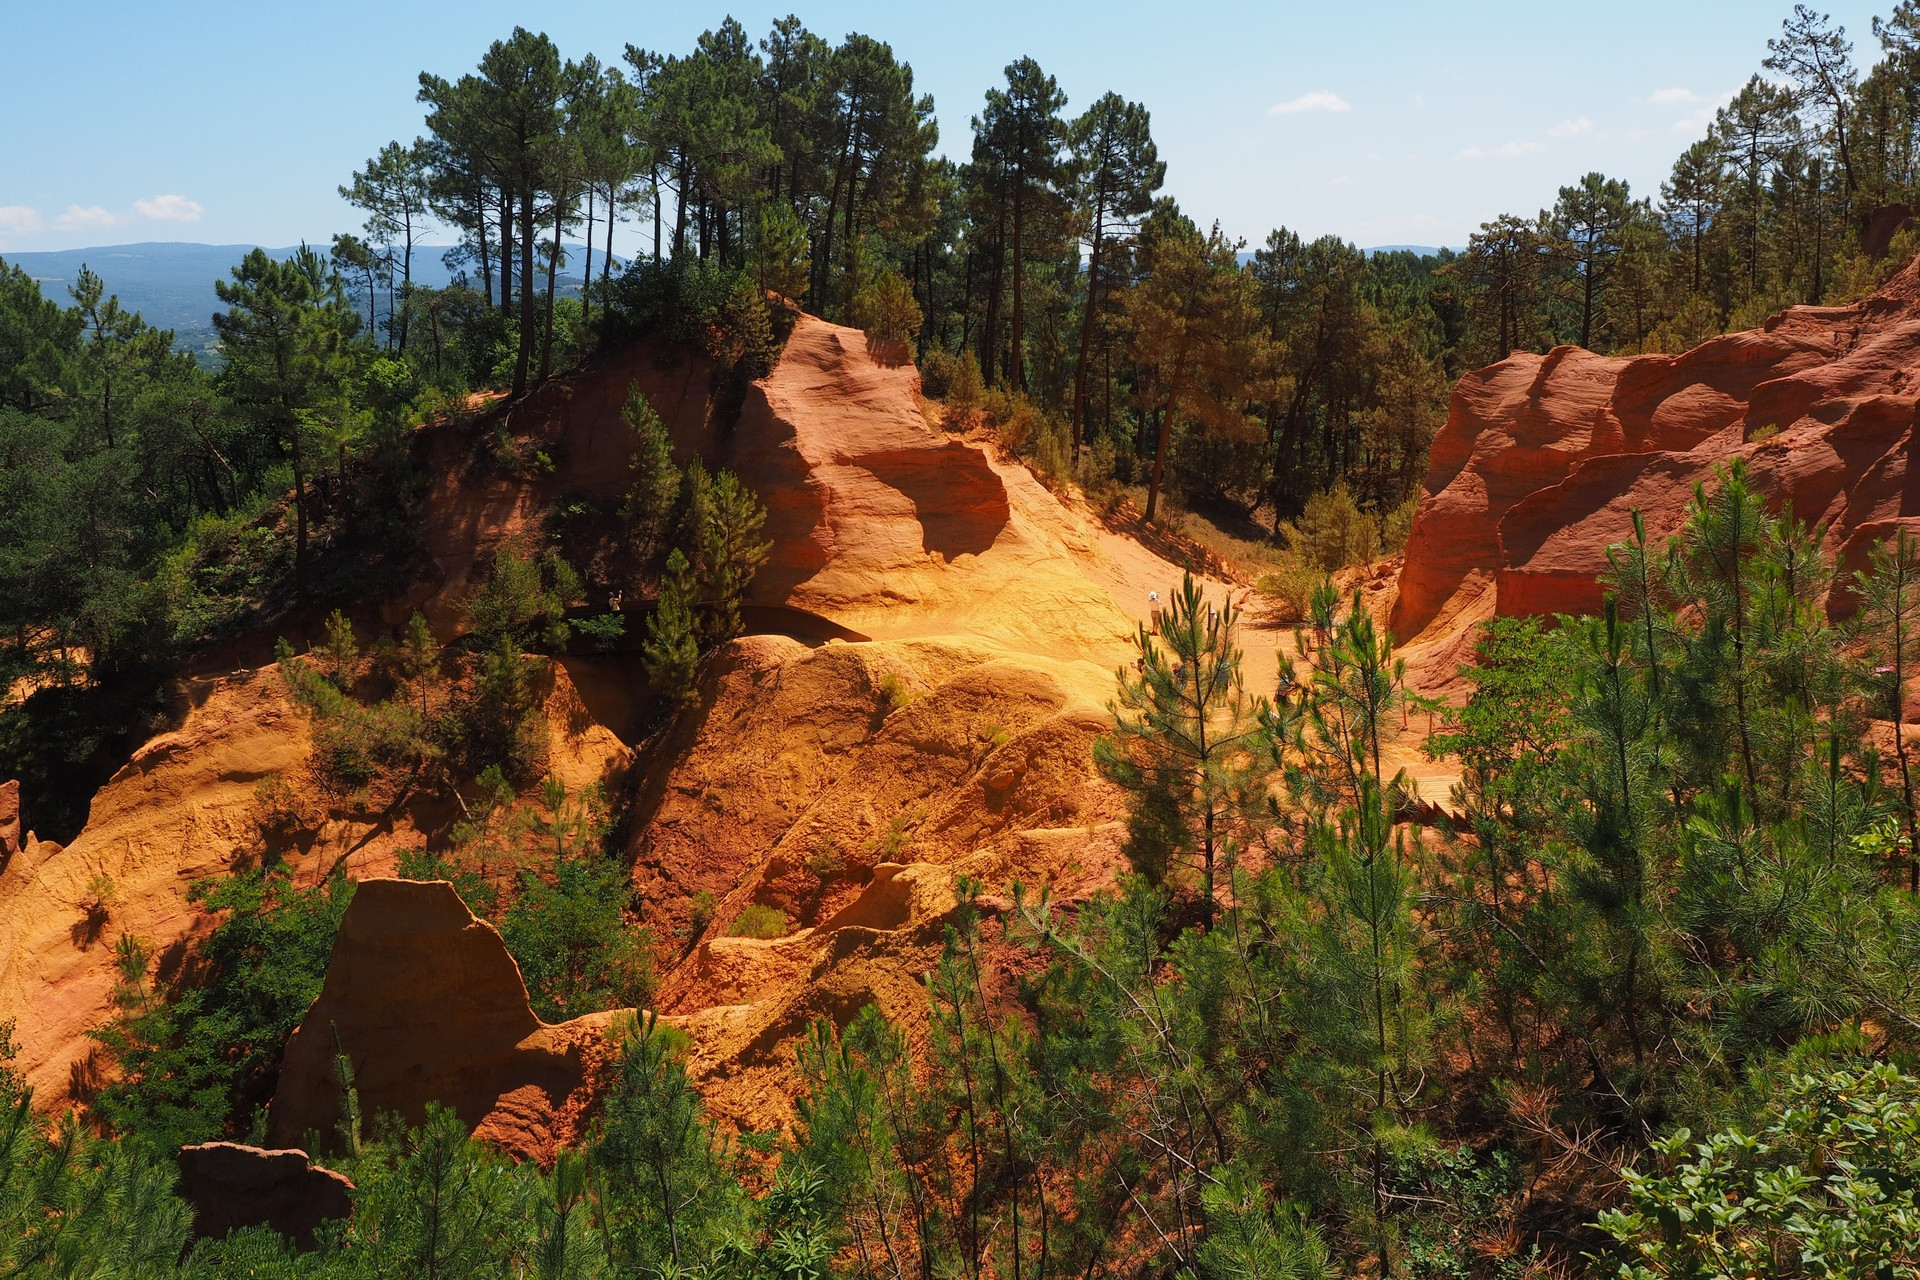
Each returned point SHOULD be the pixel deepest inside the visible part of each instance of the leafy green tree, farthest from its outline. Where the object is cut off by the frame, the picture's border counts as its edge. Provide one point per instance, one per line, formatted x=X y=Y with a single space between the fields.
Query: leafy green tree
x=655 y=481
x=865 y=1133
x=524 y=599
x=1191 y=334
x=670 y=652
x=1503 y=265
x=1889 y=616
x=720 y=523
x=1691 y=200
x=1591 y=220
x=1018 y=144
x=196 y=1063
x=567 y=927
x=437 y=1204
x=1825 y=1188
x=394 y=191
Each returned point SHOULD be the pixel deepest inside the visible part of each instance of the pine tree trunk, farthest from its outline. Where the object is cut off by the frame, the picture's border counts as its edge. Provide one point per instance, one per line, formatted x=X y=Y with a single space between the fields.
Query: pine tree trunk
x=1086 y=331
x=299 y=508
x=553 y=267
x=1018 y=356
x=586 y=275
x=1160 y=449
x=523 y=357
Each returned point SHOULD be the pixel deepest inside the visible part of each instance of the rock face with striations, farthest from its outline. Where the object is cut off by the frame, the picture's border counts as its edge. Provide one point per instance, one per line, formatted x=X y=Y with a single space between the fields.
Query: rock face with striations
x=427 y=1004
x=1545 y=458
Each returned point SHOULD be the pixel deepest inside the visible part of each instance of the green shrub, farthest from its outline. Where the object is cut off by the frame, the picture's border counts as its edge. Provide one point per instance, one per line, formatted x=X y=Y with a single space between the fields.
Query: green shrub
x=759 y=921
x=1333 y=532
x=194 y=1063
x=700 y=909
x=1043 y=439
x=524 y=599
x=496 y=717
x=1397 y=526
x=885 y=307
x=1830 y=1187
x=568 y=931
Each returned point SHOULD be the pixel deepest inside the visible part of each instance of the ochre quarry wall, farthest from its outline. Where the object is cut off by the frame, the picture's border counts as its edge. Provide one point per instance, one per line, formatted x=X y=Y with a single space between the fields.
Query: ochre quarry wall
x=1544 y=458
x=939 y=637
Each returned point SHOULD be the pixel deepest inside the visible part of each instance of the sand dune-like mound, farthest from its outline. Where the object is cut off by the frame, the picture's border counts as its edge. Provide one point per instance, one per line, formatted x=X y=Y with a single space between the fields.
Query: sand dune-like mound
x=1544 y=458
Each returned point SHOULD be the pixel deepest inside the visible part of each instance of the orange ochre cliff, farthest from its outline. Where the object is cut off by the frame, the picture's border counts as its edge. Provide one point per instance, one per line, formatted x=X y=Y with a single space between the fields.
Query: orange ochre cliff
x=936 y=640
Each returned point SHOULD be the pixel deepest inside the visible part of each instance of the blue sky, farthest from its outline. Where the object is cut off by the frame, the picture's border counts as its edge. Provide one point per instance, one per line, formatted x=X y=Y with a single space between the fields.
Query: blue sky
x=1380 y=122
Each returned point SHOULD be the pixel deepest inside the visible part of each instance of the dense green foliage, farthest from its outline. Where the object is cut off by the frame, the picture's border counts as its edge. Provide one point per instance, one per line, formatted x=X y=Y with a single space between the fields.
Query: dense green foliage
x=1826 y=1188
x=656 y=1194
x=196 y=1052
x=1298 y=1041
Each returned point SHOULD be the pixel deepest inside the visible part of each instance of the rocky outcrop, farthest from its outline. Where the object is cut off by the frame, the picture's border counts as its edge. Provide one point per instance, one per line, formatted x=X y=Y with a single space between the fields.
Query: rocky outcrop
x=182 y=808
x=1545 y=458
x=896 y=528
x=231 y=1186
x=425 y=1002
x=11 y=841
x=187 y=806
x=944 y=632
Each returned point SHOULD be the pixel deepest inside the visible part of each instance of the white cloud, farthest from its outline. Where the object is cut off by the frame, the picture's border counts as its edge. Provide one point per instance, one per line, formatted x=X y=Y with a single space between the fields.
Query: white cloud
x=1505 y=151
x=19 y=220
x=1319 y=100
x=1672 y=97
x=85 y=218
x=1344 y=180
x=171 y=208
x=1571 y=128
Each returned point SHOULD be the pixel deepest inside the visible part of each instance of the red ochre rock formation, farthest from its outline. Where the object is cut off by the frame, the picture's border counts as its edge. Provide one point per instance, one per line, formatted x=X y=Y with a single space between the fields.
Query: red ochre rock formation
x=1544 y=458
x=183 y=809
x=945 y=636
x=11 y=841
x=427 y=1004
x=231 y=1186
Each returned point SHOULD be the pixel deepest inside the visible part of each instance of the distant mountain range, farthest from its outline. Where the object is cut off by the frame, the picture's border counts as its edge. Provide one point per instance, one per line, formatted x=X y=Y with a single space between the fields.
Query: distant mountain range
x=1418 y=250
x=170 y=283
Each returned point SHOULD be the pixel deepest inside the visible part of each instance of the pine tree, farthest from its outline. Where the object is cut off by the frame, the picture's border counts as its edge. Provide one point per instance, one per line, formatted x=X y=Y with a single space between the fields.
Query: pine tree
x=670 y=653
x=1192 y=336
x=1116 y=170
x=654 y=480
x=1889 y=616
x=668 y=1197
x=1188 y=744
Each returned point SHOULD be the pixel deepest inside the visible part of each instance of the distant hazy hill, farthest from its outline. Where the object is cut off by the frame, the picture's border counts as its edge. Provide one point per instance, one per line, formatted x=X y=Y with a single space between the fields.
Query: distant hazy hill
x=170 y=283
x=1418 y=250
